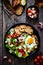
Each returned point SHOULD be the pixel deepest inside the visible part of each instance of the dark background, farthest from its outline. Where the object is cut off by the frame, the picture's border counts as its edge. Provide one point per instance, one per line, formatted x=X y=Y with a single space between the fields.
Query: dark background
x=7 y=23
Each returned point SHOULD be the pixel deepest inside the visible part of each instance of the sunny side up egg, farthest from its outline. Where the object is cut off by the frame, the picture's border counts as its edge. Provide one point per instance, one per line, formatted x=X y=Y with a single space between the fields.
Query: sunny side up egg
x=30 y=42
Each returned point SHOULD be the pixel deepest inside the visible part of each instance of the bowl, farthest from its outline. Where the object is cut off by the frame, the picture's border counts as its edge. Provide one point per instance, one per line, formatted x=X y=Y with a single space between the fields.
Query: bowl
x=32 y=12
x=35 y=32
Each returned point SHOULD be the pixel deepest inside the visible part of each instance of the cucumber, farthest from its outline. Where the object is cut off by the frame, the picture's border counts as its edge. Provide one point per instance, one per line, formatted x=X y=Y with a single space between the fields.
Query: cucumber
x=13 y=40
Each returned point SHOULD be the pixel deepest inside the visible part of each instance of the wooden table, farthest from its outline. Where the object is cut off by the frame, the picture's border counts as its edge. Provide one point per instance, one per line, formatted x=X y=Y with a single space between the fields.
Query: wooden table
x=8 y=22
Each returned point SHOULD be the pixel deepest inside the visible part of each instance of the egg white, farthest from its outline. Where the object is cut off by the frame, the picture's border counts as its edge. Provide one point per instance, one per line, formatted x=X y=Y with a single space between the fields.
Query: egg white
x=30 y=46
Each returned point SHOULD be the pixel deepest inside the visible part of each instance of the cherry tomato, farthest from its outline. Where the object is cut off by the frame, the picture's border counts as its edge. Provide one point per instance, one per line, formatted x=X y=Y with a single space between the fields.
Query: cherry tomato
x=16 y=44
x=24 y=54
x=14 y=35
x=35 y=60
x=21 y=50
x=42 y=57
x=37 y=63
x=38 y=57
x=30 y=14
x=40 y=61
x=8 y=36
x=29 y=11
x=10 y=43
x=10 y=60
x=34 y=11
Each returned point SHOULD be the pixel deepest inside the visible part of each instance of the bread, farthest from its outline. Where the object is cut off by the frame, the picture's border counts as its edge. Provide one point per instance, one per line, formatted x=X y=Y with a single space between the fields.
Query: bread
x=23 y=28
x=15 y=2
x=18 y=10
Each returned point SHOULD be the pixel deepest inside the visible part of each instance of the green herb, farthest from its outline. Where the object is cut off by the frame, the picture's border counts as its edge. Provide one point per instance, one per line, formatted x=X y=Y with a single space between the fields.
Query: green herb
x=8 y=46
x=8 y=32
x=25 y=35
x=13 y=40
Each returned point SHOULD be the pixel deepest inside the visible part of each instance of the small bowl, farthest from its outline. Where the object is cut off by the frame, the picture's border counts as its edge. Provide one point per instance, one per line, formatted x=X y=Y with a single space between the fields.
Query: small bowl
x=35 y=8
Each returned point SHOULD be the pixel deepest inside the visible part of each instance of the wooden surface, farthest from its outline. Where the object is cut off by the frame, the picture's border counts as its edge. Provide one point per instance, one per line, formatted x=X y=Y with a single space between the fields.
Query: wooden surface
x=8 y=22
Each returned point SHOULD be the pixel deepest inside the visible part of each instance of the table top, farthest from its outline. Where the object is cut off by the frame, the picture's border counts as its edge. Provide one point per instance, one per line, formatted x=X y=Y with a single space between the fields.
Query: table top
x=0 y=34
x=8 y=22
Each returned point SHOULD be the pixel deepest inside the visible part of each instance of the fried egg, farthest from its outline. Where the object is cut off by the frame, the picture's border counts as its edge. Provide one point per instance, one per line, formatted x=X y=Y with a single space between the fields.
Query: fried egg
x=30 y=42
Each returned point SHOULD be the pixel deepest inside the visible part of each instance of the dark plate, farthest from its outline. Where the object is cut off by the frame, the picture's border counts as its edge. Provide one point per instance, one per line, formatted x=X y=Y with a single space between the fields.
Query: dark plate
x=37 y=11
x=10 y=8
x=35 y=32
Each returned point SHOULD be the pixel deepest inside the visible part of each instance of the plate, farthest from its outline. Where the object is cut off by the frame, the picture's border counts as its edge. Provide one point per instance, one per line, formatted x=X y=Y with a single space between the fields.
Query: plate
x=14 y=10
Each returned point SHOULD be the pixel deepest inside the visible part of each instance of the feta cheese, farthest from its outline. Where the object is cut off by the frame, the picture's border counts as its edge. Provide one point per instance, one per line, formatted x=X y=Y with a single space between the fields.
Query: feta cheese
x=33 y=11
x=20 y=47
x=11 y=31
x=5 y=41
x=32 y=16
x=28 y=51
x=11 y=45
x=33 y=8
x=8 y=40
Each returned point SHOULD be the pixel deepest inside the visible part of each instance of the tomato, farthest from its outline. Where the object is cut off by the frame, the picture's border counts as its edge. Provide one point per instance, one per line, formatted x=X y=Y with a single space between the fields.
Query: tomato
x=40 y=61
x=33 y=11
x=10 y=43
x=35 y=60
x=16 y=44
x=14 y=35
x=18 y=35
x=20 y=50
x=8 y=36
x=38 y=57
x=37 y=63
x=42 y=57
x=24 y=54
x=29 y=11
x=30 y=14
x=10 y=60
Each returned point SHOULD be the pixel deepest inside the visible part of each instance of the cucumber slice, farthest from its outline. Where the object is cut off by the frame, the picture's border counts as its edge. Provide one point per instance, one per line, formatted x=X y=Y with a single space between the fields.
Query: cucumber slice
x=8 y=40
x=19 y=54
x=13 y=40
x=10 y=51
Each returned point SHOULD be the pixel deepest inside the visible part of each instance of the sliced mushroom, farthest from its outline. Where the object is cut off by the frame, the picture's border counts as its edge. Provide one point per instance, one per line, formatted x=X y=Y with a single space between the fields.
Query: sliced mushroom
x=22 y=28
x=16 y=29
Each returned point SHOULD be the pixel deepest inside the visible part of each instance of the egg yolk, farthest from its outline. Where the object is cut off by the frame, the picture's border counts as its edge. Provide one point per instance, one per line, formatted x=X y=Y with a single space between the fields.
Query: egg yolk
x=30 y=40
